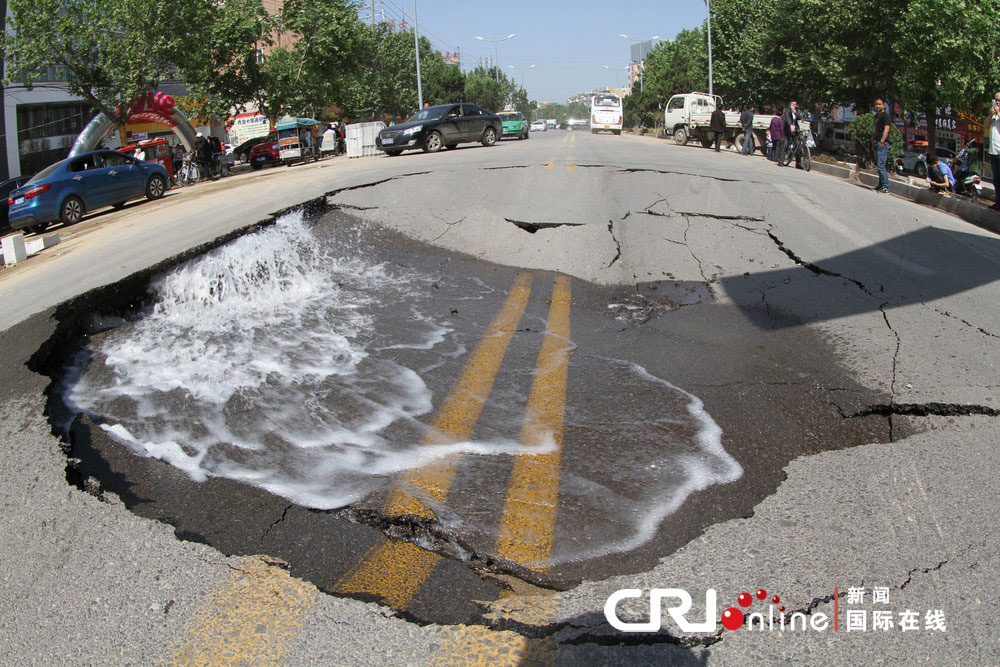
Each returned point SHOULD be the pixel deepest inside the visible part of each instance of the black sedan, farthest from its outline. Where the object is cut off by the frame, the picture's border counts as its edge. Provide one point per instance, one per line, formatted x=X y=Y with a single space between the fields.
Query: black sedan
x=5 y=189
x=443 y=126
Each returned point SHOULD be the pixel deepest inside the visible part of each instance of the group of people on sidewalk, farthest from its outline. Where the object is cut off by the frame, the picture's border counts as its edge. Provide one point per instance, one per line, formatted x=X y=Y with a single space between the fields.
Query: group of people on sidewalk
x=940 y=175
x=783 y=128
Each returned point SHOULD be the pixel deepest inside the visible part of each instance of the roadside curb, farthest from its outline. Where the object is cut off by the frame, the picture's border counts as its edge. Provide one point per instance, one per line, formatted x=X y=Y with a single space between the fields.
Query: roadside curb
x=972 y=213
x=968 y=211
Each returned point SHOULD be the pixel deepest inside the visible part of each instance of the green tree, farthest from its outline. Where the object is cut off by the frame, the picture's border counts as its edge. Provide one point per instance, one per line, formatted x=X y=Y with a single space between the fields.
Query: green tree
x=482 y=88
x=442 y=83
x=320 y=67
x=949 y=56
x=230 y=74
x=110 y=51
x=677 y=66
x=862 y=131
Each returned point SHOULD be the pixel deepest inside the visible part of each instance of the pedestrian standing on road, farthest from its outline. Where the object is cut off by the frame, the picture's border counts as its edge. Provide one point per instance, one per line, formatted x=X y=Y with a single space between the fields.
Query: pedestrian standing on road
x=777 y=136
x=746 y=122
x=790 y=130
x=993 y=127
x=717 y=125
x=178 y=158
x=769 y=143
x=881 y=144
x=203 y=150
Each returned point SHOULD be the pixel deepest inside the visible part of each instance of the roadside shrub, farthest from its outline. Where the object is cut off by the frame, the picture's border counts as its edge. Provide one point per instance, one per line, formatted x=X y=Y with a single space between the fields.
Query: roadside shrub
x=861 y=130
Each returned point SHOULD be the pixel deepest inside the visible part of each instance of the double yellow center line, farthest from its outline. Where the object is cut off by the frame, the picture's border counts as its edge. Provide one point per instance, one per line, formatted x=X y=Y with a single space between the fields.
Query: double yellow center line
x=394 y=571
x=256 y=615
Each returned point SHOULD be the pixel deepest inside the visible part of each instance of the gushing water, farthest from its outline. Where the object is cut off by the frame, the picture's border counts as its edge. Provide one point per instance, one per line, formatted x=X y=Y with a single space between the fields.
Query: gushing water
x=292 y=360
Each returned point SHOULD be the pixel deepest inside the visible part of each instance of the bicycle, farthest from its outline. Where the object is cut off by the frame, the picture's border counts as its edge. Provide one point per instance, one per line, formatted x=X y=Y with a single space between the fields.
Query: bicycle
x=798 y=147
x=190 y=172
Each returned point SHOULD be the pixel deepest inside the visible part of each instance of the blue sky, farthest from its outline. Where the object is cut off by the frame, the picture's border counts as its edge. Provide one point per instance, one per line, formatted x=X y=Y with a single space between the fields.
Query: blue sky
x=568 y=42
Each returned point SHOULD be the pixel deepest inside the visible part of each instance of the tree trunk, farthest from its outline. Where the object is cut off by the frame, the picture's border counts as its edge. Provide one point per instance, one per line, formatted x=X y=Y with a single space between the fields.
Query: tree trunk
x=931 y=114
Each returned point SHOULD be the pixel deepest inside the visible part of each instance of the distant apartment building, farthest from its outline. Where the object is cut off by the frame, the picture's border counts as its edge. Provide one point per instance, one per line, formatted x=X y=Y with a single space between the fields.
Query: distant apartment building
x=637 y=60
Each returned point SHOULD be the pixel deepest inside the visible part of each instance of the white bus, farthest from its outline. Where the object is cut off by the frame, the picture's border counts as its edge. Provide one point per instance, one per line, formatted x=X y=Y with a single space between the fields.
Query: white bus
x=606 y=113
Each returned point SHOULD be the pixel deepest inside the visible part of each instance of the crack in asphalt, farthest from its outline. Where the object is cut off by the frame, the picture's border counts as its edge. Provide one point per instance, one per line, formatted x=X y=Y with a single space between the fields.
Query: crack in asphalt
x=284 y=514
x=818 y=270
x=895 y=364
x=430 y=536
x=726 y=218
x=352 y=207
x=966 y=323
x=448 y=225
x=618 y=245
x=533 y=227
x=687 y=244
x=362 y=186
x=668 y=172
x=929 y=409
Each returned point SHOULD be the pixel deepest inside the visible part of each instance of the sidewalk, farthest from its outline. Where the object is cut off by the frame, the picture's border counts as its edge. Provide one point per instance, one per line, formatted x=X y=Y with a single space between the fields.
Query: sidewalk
x=981 y=216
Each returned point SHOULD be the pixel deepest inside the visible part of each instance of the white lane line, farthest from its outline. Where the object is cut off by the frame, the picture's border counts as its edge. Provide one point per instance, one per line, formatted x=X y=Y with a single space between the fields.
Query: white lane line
x=855 y=237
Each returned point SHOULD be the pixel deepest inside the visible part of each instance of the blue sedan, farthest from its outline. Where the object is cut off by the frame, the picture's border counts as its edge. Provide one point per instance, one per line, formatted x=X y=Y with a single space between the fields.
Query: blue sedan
x=77 y=185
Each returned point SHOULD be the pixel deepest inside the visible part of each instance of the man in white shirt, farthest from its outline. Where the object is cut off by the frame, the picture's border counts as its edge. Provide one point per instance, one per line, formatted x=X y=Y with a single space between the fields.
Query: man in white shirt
x=993 y=130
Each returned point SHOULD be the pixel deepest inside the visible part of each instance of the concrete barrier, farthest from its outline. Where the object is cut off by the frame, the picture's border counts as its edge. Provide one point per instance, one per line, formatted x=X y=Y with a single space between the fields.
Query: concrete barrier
x=361 y=139
x=16 y=249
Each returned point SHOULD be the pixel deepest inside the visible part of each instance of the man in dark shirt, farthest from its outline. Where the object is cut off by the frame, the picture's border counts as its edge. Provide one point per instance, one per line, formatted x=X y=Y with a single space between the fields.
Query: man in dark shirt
x=790 y=121
x=717 y=125
x=961 y=165
x=746 y=122
x=881 y=143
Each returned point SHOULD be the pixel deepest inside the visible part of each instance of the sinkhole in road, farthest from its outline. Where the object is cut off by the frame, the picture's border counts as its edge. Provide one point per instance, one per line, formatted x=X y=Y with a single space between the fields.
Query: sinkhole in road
x=303 y=360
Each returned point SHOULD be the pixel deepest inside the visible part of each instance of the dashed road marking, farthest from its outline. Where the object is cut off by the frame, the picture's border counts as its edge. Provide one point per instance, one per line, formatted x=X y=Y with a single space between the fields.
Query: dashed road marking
x=251 y=619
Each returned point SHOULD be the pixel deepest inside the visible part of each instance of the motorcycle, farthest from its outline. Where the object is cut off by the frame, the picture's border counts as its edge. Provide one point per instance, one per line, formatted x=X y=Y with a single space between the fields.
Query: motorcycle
x=970 y=186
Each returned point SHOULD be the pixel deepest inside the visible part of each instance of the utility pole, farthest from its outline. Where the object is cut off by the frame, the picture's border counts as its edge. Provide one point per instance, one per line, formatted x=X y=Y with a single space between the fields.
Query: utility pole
x=373 y=13
x=708 y=3
x=416 y=47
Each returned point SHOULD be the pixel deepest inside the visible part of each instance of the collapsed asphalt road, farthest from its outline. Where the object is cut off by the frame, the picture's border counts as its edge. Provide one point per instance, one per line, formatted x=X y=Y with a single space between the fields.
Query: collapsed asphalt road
x=616 y=509
x=794 y=347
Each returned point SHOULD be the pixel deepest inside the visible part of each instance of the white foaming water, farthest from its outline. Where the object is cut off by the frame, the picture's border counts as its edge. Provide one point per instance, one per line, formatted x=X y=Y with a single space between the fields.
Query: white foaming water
x=257 y=363
x=278 y=362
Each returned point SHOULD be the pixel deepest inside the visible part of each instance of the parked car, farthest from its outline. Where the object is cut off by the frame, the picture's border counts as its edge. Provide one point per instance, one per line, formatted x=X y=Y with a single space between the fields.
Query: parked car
x=6 y=188
x=916 y=163
x=77 y=185
x=514 y=125
x=266 y=152
x=242 y=152
x=538 y=126
x=443 y=126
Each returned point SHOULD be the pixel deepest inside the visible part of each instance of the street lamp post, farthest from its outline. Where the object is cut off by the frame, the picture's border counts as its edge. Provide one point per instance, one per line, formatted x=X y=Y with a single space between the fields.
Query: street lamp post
x=496 y=44
x=708 y=3
x=640 y=40
x=616 y=70
x=522 y=71
x=416 y=47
